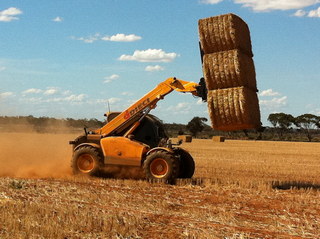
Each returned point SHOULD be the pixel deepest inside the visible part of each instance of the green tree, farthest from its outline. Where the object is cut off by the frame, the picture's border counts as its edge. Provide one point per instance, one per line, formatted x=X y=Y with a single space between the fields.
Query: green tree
x=308 y=124
x=281 y=122
x=196 y=125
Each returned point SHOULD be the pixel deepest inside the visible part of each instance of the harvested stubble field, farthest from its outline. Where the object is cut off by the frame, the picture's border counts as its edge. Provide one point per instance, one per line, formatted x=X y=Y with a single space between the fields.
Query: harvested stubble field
x=241 y=189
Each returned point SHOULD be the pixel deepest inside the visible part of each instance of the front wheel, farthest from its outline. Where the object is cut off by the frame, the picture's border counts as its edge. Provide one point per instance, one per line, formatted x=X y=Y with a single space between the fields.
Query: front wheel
x=162 y=166
x=86 y=160
x=187 y=165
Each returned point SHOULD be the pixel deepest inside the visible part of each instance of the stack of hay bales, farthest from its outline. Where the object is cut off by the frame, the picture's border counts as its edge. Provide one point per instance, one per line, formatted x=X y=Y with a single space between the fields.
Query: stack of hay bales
x=229 y=73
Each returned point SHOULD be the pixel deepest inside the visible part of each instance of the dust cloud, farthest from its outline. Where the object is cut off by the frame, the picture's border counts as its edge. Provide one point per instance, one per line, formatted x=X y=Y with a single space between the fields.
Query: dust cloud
x=35 y=155
x=47 y=155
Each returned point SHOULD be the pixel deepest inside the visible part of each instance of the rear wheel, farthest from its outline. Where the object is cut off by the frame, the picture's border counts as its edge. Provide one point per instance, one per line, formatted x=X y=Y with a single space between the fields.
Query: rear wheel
x=86 y=160
x=161 y=166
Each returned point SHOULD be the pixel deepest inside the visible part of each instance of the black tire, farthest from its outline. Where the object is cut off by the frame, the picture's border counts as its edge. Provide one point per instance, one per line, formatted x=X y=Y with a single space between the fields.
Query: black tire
x=187 y=165
x=86 y=160
x=161 y=166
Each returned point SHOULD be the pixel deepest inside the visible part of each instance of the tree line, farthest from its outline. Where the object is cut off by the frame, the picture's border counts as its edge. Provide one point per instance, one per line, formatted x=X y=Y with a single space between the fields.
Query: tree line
x=308 y=124
x=286 y=127
x=46 y=124
x=305 y=127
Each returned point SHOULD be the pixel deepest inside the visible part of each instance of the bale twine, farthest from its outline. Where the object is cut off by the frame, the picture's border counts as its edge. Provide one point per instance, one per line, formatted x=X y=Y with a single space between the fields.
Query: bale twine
x=224 y=32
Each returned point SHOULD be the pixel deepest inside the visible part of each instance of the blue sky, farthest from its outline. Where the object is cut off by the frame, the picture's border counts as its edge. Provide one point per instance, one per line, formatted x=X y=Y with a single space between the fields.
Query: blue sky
x=69 y=58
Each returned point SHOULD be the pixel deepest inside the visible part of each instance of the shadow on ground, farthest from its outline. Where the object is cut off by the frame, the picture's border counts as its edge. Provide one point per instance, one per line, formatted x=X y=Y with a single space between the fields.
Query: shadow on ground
x=287 y=185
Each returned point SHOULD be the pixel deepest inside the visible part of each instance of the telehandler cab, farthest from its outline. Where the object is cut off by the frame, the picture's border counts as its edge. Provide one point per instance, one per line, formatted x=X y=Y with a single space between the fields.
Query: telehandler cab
x=136 y=138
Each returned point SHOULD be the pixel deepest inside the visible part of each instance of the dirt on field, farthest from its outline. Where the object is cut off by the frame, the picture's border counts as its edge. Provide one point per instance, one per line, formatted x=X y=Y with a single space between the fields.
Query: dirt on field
x=241 y=189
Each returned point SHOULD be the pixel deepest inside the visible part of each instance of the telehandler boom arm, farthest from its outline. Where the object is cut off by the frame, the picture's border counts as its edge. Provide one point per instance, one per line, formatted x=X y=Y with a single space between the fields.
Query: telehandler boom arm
x=148 y=102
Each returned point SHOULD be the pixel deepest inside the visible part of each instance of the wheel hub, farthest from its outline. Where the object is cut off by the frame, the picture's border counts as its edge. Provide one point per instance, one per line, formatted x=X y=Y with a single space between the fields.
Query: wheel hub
x=159 y=168
x=85 y=163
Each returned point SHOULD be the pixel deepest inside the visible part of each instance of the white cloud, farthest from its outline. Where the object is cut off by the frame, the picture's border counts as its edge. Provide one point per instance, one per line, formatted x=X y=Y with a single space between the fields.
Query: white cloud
x=62 y=96
x=31 y=91
x=35 y=100
x=50 y=91
x=300 y=13
x=199 y=102
x=269 y=92
x=71 y=98
x=131 y=101
x=89 y=39
x=313 y=108
x=315 y=111
x=120 y=37
x=126 y=93
x=12 y=11
x=180 y=108
x=182 y=105
x=154 y=68
x=269 y=5
x=66 y=92
x=274 y=103
x=9 y=14
x=277 y=101
x=75 y=98
x=113 y=100
x=2 y=68
x=110 y=100
x=150 y=55
x=303 y=13
x=210 y=1
x=113 y=77
x=6 y=94
x=57 y=19
x=314 y=13
x=107 y=81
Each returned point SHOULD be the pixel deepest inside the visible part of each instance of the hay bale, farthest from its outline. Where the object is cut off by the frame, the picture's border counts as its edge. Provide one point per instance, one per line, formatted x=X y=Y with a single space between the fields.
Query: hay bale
x=224 y=32
x=234 y=109
x=218 y=138
x=185 y=138
x=229 y=69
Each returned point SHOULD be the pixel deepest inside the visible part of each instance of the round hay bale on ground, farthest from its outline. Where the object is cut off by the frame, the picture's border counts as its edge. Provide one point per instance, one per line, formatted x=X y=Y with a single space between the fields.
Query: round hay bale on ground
x=218 y=139
x=185 y=138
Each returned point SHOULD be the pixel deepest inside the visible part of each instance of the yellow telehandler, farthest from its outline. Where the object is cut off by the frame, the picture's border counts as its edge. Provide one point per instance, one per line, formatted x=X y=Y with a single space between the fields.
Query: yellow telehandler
x=136 y=138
